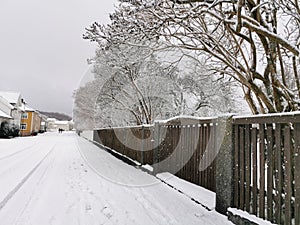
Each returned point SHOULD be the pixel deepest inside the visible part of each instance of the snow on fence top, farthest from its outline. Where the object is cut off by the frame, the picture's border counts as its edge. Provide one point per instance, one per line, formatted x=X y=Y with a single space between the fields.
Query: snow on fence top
x=287 y=117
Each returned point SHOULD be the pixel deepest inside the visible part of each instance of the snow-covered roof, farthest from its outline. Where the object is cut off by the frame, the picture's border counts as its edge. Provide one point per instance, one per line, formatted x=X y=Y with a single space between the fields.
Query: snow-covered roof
x=61 y=122
x=10 y=96
x=4 y=115
x=22 y=109
x=27 y=108
x=5 y=102
x=51 y=119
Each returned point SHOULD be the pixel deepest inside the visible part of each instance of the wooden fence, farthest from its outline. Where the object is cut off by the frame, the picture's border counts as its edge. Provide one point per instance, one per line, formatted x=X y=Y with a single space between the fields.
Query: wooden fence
x=267 y=167
x=256 y=170
x=176 y=146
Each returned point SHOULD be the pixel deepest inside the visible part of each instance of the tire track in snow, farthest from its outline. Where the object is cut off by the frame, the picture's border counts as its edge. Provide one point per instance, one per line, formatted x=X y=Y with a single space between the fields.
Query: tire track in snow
x=37 y=182
x=14 y=191
x=18 y=152
x=16 y=162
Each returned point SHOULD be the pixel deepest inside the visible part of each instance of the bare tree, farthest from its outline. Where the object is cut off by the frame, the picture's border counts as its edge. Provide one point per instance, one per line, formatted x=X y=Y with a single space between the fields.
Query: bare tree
x=254 y=42
x=131 y=76
x=198 y=92
x=83 y=110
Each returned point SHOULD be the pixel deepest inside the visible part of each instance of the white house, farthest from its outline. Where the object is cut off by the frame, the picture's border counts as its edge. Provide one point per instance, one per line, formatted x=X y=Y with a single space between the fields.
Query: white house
x=65 y=125
x=51 y=124
x=54 y=125
x=5 y=110
x=15 y=100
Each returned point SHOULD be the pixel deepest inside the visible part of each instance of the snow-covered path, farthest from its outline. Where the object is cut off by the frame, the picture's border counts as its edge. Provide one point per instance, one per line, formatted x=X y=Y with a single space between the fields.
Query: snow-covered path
x=64 y=179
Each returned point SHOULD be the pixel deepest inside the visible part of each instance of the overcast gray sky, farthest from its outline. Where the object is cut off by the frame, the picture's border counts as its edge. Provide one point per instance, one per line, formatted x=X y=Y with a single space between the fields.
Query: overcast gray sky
x=42 y=53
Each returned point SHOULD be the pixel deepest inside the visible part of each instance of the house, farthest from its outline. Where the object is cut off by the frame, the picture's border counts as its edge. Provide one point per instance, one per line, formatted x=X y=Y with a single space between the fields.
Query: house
x=54 y=125
x=44 y=123
x=5 y=110
x=65 y=125
x=30 y=122
x=51 y=124
x=15 y=100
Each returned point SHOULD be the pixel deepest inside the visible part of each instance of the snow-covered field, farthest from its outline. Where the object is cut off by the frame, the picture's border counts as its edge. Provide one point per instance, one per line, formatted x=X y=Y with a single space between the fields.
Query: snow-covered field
x=62 y=179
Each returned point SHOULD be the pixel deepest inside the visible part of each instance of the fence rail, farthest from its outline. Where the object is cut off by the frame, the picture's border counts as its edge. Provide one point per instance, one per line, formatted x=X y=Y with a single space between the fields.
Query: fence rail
x=257 y=168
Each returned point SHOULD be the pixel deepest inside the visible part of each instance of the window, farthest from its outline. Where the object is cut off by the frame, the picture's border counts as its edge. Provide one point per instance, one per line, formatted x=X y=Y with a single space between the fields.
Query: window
x=25 y=116
x=23 y=126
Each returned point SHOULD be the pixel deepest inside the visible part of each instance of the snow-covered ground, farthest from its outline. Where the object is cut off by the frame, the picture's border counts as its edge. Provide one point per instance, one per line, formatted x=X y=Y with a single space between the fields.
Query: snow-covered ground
x=62 y=179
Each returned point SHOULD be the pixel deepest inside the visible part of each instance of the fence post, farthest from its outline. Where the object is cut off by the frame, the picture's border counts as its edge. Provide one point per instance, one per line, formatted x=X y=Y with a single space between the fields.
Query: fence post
x=297 y=173
x=142 y=144
x=96 y=136
x=156 y=148
x=224 y=164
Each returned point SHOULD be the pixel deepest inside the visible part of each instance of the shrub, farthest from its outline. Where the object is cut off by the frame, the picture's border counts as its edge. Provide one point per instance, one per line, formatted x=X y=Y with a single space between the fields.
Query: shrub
x=4 y=130
x=9 y=130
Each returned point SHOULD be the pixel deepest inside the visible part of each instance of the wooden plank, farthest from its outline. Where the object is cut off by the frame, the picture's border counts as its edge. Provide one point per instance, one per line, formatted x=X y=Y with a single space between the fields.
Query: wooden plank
x=159 y=146
x=261 y=171
x=195 y=155
x=142 y=145
x=145 y=145
x=293 y=117
x=169 y=147
x=278 y=175
x=270 y=173
x=111 y=140
x=214 y=160
x=122 y=142
x=210 y=157
x=297 y=172
x=287 y=175
x=203 y=172
x=254 y=166
x=178 y=155
x=135 y=151
x=149 y=147
x=207 y=155
x=197 y=181
x=108 y=137
x=236 y=164
x=200 y=153
x=104 y=139
x=186 y=153
x=177 y=147
x=184 y=143
x=242 y=167
x=192 y=153
x=204 y=178
x=126 y=141
x=206 y=130
x=247 y=167
x=189 y=152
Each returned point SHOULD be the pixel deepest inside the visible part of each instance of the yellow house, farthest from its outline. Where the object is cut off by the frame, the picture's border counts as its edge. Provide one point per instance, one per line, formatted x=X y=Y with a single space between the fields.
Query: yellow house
x=30 y=122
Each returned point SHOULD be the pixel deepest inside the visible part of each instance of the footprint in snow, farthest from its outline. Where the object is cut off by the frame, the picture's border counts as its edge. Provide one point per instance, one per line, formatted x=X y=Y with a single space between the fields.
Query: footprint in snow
x=88 y=207
x=107 y=212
